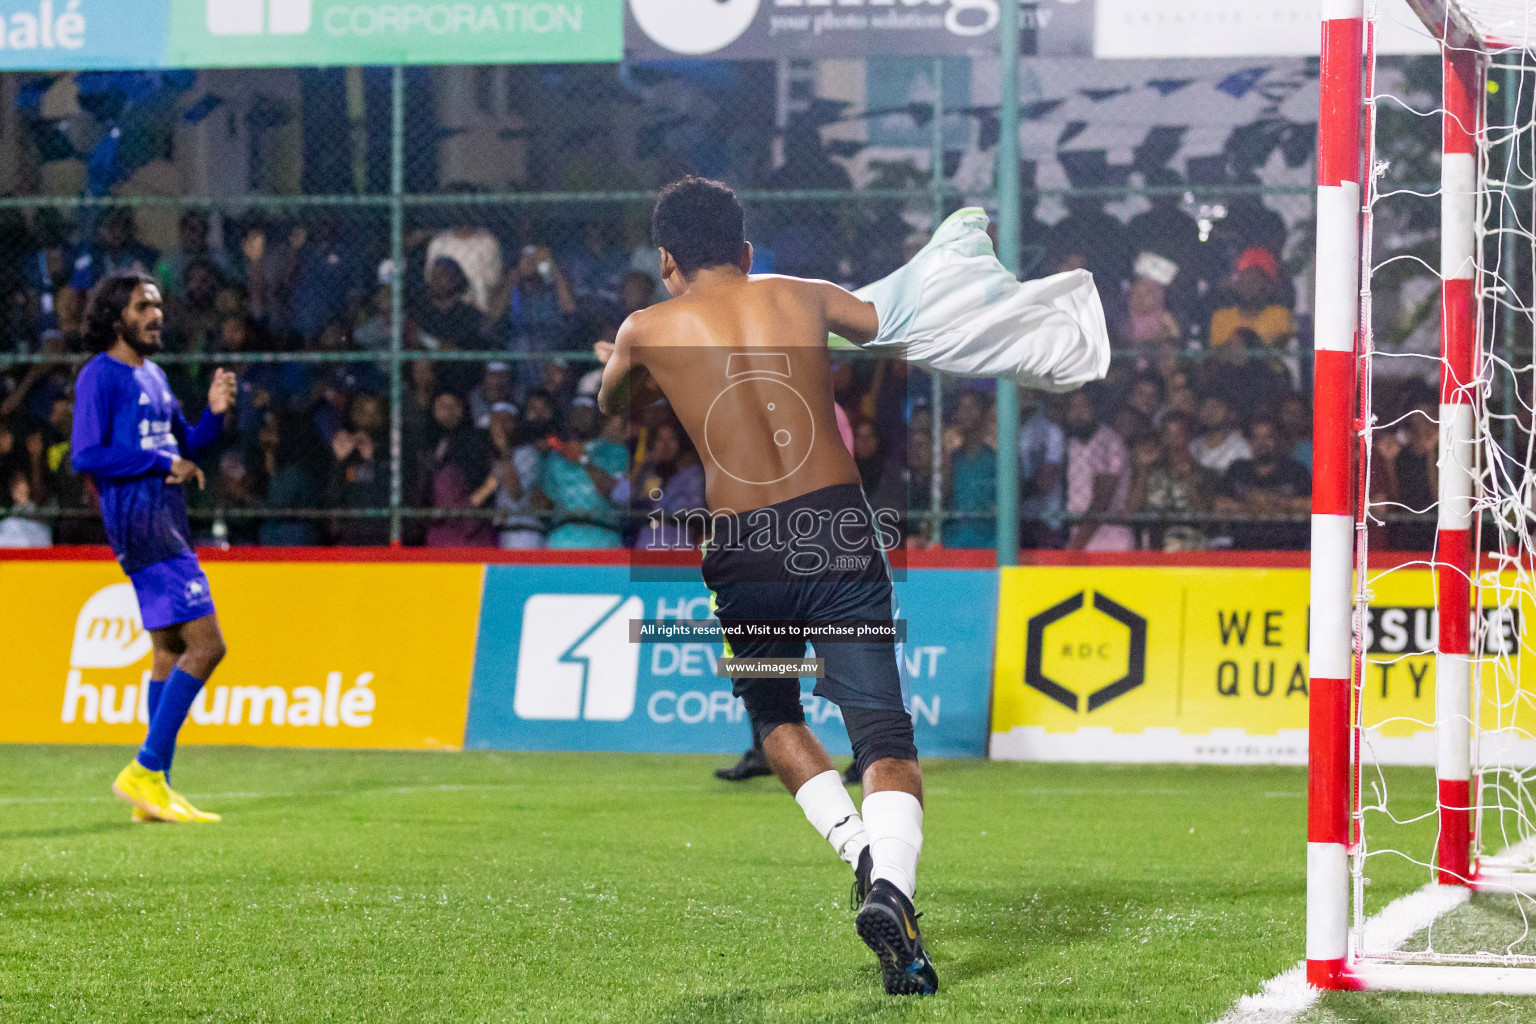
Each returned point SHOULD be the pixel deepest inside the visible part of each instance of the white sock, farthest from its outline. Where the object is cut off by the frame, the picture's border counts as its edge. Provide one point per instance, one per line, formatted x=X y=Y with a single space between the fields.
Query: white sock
x=830 y=810
x=895 y=823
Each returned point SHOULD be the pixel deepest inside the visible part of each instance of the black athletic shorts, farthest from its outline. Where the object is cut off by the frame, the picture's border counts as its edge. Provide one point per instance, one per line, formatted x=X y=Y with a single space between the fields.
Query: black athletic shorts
x=811 y=559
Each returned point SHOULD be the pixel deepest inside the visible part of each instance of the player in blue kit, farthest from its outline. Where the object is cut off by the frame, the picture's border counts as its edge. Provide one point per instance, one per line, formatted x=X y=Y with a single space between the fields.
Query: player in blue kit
x=131 y=437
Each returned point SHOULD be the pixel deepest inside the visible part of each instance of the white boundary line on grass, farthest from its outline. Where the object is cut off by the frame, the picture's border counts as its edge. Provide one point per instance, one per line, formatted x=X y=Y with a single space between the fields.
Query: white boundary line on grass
x=1287 y=996
x=245 y=795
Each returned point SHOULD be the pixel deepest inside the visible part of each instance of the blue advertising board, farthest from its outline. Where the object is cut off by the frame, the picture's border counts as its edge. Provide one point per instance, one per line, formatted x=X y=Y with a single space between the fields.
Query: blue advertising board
x=555 y=668
x=54 y=35
x=88 y=35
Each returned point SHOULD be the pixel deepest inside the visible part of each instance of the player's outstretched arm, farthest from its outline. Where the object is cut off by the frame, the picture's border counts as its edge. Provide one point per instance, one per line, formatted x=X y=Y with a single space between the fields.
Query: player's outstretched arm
x=198 y=437
x=847 y=315
x=626 y=383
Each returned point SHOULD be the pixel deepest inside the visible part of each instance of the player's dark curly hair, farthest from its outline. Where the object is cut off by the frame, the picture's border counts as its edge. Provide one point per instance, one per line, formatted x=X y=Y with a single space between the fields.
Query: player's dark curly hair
x=108 y=300
x=701 y=223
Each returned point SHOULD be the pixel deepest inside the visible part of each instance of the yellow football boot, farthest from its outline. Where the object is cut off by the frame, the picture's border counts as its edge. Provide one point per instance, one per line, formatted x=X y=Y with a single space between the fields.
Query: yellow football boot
x=190 y=813
x=139 y=817
x=147 y=791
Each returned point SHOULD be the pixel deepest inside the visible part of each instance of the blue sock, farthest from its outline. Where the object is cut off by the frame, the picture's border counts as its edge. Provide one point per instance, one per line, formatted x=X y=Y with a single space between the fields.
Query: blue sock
x=152 y=701
x=175 y=701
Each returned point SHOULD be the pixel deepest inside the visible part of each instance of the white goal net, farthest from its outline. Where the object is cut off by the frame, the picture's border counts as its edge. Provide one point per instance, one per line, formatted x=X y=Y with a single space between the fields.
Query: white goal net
x=1445 y=541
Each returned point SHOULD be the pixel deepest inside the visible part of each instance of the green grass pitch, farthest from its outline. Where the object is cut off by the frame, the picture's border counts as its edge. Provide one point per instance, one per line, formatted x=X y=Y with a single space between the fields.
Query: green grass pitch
x=486 y=887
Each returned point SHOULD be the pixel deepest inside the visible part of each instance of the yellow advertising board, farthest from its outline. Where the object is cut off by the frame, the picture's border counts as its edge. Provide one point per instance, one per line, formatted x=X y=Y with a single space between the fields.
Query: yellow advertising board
x=1210 y=665
x=320 y=655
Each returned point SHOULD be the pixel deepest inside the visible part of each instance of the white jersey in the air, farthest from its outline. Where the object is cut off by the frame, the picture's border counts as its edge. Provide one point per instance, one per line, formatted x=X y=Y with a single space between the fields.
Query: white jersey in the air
x=955 y=308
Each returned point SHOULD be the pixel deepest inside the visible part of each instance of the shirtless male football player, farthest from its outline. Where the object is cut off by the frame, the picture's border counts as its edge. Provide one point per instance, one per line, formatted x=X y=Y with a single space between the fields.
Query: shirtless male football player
x=743 y=361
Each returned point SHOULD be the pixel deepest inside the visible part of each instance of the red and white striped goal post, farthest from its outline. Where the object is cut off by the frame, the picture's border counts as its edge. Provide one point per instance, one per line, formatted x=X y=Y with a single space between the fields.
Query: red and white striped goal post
x=1468 y=30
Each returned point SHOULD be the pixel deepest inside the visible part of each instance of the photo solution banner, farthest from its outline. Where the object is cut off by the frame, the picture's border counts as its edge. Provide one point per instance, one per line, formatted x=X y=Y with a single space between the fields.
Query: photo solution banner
x=1210 y=665
x=320 y=655
x=780 y=29
x=556 y=669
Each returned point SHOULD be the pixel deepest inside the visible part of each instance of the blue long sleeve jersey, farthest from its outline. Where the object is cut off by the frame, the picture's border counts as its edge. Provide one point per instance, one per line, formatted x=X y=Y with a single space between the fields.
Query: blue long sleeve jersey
x=128 y=430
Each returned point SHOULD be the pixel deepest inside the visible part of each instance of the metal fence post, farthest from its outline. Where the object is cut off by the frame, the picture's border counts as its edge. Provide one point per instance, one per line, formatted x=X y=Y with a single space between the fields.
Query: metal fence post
x=1008 y=223
x=935 y=379
x=396 y=299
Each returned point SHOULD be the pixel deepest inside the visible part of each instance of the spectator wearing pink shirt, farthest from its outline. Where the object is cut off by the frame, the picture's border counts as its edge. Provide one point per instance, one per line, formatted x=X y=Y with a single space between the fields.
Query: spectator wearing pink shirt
x=844 y=427
x=1098 y=480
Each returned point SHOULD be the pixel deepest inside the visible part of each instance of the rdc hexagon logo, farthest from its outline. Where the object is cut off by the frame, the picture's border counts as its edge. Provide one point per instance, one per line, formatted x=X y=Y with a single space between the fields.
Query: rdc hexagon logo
x=1083 y=655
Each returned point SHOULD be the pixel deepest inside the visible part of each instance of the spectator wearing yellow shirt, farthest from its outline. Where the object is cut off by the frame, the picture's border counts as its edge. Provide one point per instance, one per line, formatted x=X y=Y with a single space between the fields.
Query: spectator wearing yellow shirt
x=1254 y=287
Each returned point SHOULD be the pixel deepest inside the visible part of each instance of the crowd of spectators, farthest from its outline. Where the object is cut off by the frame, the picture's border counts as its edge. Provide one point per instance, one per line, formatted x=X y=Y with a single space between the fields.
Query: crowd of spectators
x=513 y=445
x=1199 y=438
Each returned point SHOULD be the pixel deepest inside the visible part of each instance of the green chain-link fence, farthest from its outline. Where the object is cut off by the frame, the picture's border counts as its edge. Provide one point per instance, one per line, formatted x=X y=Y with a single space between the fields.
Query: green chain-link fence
x=357 y=242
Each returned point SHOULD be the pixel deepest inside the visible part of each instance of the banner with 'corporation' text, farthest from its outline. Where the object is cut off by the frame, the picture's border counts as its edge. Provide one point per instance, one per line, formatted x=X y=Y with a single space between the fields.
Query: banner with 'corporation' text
x=320 y=655
x=278 y=33
x=1210 y=665
x=78 y=35
x=556 y=669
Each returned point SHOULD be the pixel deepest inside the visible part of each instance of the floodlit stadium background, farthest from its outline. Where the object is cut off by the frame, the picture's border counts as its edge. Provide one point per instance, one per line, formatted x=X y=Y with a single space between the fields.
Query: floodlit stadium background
x=294 y=213
x=401 y=554
x=317 y=184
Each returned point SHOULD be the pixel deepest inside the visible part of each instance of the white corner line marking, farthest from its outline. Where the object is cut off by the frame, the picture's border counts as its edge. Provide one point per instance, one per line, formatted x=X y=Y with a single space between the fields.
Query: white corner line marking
x=1287 y=996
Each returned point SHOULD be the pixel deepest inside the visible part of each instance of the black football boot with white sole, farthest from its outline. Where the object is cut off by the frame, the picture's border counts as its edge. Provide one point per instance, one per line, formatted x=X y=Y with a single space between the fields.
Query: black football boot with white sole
x=887 y=923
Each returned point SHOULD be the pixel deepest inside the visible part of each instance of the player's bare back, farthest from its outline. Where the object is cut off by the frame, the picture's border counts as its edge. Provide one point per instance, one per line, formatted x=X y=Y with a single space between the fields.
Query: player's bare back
x=743 y=361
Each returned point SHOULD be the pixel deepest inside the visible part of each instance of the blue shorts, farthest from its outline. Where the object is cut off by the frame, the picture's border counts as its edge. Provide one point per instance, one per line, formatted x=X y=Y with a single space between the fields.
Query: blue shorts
x=172 y=592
